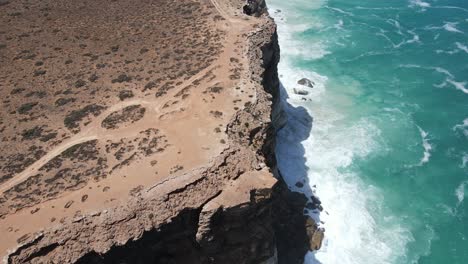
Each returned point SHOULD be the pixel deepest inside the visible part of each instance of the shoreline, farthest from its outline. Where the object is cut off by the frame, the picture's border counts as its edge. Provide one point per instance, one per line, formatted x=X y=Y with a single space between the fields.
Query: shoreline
x=234 y=207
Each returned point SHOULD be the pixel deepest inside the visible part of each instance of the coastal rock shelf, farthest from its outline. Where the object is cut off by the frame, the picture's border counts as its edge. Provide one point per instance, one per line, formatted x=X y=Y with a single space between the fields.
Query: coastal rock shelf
x=144 y=132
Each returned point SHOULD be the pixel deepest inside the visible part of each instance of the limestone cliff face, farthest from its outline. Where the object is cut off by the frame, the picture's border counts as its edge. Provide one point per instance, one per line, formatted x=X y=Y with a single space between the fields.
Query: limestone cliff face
x=237 y=210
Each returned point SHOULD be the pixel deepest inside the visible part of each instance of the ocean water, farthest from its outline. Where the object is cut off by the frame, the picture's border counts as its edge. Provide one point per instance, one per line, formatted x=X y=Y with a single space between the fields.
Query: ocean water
x=382 y=137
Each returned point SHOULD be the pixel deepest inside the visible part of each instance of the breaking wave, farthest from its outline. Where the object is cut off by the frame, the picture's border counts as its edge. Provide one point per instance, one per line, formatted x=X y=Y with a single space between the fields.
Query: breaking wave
x=426 y=145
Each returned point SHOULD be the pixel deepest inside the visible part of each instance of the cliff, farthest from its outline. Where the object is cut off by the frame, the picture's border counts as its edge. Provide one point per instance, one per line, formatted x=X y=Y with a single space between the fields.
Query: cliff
x=231 y=208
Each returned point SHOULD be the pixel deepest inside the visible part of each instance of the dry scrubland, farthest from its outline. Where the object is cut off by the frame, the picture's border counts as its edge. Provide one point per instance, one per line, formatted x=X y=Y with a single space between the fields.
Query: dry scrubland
x=100 y=99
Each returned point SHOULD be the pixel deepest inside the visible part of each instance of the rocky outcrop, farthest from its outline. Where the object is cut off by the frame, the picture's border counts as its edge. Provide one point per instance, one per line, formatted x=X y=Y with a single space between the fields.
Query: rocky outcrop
x=235 y=210
x=300 y=92
x=306 y=82
x=254 y=7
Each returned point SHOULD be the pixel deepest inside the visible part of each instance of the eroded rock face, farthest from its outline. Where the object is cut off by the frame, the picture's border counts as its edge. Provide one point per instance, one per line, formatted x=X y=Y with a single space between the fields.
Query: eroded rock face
x=254 y=7
x=315 y=234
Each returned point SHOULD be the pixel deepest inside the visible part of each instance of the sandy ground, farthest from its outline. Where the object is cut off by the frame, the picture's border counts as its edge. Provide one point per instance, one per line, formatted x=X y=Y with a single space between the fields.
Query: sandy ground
x=101 y=99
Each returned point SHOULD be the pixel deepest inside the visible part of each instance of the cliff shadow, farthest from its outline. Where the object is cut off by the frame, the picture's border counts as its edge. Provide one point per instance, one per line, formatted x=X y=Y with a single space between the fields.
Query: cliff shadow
x=239 y=234
x=292 y=159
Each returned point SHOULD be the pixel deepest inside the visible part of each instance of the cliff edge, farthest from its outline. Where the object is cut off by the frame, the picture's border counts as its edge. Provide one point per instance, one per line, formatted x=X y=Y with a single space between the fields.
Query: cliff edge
x=144 y=133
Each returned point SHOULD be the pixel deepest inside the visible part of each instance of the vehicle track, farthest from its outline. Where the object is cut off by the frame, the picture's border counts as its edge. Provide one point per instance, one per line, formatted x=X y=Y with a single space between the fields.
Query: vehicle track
x=93 y=131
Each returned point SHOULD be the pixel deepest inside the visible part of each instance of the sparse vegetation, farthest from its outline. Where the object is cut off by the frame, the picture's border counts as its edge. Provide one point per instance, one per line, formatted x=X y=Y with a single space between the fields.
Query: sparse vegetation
x=129 y=114
x=215 y=89
x=93 y=77
x=150 y=86
x=90 y=55
x=216 y=113
x=39 y=72
x=25 y=108
x=64 y=101
x=17 y=91
x=72 y=120
x=176 y=168
x=80 y=83
x=125 y=94
x=122 y=78
x=32 y=133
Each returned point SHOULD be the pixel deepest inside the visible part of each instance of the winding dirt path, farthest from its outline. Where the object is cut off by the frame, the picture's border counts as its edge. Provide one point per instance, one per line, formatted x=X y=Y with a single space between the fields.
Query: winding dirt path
x=226 y=16
x=94 y=130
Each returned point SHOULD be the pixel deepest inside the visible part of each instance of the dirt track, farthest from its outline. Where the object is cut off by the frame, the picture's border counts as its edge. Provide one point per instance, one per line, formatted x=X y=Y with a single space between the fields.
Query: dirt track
x=187 y=77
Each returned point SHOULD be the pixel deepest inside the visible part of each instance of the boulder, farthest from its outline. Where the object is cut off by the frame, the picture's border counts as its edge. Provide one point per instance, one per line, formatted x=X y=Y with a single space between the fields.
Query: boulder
x=300 y=92
x=315 y=234
x=306 y=82
x=254 y=7
x=299 y=184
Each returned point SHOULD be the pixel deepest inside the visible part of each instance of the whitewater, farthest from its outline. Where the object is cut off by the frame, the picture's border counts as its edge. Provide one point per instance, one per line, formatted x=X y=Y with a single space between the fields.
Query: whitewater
x=381 y=137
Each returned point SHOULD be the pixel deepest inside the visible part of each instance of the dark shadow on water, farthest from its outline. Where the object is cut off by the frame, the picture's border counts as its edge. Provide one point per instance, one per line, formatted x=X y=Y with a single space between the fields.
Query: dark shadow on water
x=291 y=155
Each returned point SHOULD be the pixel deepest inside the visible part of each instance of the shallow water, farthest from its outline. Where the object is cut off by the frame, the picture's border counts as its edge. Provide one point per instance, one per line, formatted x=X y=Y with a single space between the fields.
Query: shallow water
x=387 y=150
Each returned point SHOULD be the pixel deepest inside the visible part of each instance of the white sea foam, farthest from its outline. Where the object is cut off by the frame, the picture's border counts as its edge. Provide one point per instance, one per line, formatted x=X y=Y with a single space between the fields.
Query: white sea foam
x=426 y=145
x=420 y=4
x=378 y=8
x=437 y=69
x=339 y=25
x=458 y=85
x=448 y=26
x=464 y=160
x=451 y=27
x=462 y=127
x=352 y=233
x=396 y=23
x=450 y=78
x=461 y=47
x=367 y=54
x=460 y=191
x=451 y=7
x=414 y=39
x=340 y=11
x=293 y=27
x=443 y=71
x=292 y=47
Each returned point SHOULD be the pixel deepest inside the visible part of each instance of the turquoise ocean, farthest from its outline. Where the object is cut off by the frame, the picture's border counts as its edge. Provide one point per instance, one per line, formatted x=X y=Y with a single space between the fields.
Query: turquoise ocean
x=382 y=137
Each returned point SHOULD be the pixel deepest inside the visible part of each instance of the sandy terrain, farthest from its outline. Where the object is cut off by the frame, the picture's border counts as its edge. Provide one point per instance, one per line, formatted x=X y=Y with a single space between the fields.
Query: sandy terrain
x=101 y=99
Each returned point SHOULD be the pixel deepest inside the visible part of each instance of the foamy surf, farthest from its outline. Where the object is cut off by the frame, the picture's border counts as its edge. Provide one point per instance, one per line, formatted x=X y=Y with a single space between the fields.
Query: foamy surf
x=426 y=145
x=450 y=78
x=460 y=191
x=352 y=234
x=461 y=47
x=324 y=158
x=419 y=3
x=462 y=127
x=464 y=160
x=381 y=73
x=447 y=26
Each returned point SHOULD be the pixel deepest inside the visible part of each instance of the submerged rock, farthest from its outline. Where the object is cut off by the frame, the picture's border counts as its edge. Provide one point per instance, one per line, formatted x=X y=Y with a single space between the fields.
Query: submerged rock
x=300 y=92
x=306 y=82
x=315 y=203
